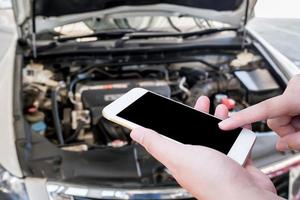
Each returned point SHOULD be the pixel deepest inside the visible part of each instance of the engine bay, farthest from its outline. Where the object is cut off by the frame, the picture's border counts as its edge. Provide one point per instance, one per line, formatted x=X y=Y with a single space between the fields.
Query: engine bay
x=63 y=101
x=67 y=138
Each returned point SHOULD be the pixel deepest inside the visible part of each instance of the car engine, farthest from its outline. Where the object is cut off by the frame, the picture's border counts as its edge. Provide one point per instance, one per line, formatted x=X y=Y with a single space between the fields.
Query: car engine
x=63 y=100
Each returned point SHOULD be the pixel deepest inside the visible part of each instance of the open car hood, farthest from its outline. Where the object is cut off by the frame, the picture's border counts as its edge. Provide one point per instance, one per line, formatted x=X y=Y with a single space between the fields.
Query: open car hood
x=48 y=14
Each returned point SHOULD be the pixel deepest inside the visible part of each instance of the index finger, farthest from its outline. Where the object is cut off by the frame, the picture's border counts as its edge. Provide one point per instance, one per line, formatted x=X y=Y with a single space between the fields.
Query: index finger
x=270 y=108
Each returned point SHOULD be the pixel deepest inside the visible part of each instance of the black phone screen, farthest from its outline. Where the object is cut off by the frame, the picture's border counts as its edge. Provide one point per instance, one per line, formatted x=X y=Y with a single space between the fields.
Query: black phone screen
x=179 y=122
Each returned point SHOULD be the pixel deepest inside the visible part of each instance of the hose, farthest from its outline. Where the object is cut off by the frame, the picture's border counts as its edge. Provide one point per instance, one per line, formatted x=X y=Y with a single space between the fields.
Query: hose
x=80 y=77
x=76 y=133
x=211 y=87
x=207 y=88
x=55 y=114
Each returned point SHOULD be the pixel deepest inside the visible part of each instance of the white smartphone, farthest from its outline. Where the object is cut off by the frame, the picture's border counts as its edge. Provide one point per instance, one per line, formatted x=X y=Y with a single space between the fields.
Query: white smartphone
x=140 y=107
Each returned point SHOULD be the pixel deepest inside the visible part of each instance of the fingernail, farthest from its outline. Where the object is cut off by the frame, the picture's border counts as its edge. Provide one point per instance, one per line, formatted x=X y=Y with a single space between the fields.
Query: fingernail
x=223 y=124
x=137 y=134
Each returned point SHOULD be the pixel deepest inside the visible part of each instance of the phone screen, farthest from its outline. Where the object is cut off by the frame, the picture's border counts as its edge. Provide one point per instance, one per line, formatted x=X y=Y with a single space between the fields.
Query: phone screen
x=179 y=122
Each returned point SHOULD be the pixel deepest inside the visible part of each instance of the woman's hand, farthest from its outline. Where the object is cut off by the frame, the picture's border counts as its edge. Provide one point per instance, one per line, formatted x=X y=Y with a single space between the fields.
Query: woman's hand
x=282 y=114
x=206 y=173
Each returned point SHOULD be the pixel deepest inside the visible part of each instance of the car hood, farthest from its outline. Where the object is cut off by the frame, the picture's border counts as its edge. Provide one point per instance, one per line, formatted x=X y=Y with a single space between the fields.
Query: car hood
x=47 y=14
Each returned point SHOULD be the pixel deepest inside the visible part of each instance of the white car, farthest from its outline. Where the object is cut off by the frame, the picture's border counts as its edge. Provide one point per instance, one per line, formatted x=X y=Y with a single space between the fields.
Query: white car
x=63 y=61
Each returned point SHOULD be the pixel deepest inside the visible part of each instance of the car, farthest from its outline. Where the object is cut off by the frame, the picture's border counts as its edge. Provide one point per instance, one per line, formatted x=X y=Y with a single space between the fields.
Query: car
x=63 y=61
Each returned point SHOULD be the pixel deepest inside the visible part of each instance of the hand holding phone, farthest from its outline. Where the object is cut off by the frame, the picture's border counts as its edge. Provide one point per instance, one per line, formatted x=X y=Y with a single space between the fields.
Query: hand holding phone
x=142 y=108
x=199 y=169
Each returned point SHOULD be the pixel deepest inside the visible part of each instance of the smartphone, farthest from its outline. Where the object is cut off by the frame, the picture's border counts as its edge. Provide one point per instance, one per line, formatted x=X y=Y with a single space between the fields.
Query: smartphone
x=140 y=107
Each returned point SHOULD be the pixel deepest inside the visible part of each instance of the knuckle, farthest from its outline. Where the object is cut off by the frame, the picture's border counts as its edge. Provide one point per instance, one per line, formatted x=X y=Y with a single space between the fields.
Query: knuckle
x=147 y=141
x=294 y=143
x=296 y=122
x=149 y=146
x=266 y=106
x=142 y=140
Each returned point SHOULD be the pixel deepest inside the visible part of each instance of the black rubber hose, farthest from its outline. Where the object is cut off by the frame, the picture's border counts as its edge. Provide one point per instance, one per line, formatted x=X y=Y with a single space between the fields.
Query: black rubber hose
x=202 y=89
x=211 y=87
x=55 y=114
x=76 y=133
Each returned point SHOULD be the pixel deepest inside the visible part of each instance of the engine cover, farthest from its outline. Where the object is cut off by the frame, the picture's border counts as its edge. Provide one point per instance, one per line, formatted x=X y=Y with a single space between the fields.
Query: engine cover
x=100 y=94
x=94 y=96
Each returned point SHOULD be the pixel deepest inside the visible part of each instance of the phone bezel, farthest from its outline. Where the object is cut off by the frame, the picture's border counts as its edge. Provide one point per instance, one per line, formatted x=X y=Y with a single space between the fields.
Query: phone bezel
x=238 y=152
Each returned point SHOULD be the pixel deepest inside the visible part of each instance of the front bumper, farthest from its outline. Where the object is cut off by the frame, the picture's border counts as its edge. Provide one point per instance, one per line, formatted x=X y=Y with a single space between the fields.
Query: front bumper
x=58 y=191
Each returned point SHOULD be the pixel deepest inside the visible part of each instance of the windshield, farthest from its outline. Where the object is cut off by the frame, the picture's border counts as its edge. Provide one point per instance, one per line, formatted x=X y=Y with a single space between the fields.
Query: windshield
x=138 y=24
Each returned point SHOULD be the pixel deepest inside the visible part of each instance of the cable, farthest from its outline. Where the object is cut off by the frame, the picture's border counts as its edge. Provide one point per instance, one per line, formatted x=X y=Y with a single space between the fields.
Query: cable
x=153 y=62
x=137 y=162
x=208 y=23
x=182 y=87
x=150 y=21
x=201 y=26
x=80 y=77
x=173 y=25
x=76 y=133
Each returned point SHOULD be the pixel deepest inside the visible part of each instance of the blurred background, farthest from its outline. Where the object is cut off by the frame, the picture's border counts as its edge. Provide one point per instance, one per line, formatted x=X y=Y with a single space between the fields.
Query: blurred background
x=278 y=9
x=282 y=17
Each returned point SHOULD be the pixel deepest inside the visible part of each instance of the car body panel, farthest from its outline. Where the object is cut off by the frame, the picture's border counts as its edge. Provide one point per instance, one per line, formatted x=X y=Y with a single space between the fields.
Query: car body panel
x=36 y=188
x=8 y=152
x=286 y=66
x=58 y=8
x=233 y=17
x=98 y=192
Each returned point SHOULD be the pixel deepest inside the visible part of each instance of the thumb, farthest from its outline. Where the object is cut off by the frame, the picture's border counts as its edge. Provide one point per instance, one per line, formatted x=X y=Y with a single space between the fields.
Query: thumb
x=164 y=149
x=270 y=108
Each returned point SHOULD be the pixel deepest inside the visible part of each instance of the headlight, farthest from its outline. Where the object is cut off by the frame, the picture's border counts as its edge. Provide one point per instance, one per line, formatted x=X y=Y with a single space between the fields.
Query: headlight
x=11 y=187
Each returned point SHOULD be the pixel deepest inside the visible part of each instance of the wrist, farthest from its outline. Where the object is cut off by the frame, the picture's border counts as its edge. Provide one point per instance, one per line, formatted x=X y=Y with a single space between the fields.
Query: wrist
x=242 y=185
x=245 y=188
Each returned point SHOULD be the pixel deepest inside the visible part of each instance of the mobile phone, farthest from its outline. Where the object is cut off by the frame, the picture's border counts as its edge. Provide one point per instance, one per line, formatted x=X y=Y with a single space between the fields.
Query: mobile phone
x=140 y=107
